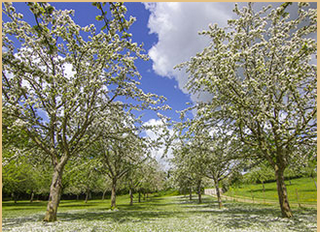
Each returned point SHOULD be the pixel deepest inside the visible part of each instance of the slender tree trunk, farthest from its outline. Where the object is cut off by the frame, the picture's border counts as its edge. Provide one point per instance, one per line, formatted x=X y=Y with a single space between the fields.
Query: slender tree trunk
x=282 y=193
x=77 y=197
x=31 y=198
x=131 y=196
x=139 y=196
x=14 y=197
x=199 y=192
x=190 y=194
x=315 y=182
x=87 y=195
x=113 y=193
x=55 y=194
x=218 y=193
x=104 y=193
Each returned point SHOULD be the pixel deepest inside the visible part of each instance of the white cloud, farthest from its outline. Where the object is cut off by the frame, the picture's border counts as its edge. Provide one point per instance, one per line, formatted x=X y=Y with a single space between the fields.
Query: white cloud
x=177 y=25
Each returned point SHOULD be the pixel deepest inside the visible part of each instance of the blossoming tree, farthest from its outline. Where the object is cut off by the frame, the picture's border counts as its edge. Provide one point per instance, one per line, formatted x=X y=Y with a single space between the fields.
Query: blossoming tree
x=60 y=80
x=259 y=71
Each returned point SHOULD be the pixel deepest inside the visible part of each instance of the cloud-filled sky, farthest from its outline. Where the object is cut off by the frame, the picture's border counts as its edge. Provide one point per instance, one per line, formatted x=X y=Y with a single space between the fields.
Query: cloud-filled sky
x=176 y=25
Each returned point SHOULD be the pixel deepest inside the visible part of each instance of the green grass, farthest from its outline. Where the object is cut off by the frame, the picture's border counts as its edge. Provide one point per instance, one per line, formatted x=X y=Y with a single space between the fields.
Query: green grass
x=305 y=187
x=165 y=213
x=10 y=209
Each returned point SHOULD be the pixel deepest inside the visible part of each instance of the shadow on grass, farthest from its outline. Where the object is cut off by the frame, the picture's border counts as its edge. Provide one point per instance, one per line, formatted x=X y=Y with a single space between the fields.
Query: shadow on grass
x=23 y=204
x=233 y=215
x=265 y=190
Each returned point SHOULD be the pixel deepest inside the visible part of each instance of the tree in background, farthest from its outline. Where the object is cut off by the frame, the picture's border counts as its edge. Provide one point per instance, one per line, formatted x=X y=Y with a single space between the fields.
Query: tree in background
x=189 y=165
x=119 y=149
x=262 y=82
x=260 y=173
x=82 y=176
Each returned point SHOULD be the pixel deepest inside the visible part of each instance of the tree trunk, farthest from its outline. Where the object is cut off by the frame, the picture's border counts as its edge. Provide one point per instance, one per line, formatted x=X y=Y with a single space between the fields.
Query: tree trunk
x=31 y=198
x=139 y=196
x=87 y=195
x=190 y=194
x=282 y=193
x=113 y=193
x=104 y=193
x=131 y=196
x=218 y=193
x=315 y=182
x=14 y=197
x=77 y=197
x=199 y=192
x=55 y=194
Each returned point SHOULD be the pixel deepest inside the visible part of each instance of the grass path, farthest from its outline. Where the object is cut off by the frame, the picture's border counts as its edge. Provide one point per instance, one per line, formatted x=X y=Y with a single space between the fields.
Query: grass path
x=169 y=213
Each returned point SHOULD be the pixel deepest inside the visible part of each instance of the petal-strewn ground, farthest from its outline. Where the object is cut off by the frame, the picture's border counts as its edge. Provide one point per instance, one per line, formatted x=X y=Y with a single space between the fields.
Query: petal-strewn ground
x=175 y=213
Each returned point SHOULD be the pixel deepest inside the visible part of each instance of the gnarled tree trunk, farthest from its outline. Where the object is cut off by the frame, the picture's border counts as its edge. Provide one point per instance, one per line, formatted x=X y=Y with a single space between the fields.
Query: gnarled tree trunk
x=55 y=193
x=282 y=192
x=113 y=193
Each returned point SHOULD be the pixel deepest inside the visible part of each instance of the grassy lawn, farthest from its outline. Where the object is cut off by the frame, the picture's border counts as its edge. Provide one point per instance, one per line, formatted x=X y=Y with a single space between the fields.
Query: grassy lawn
x=305 y=187
x=162 y=213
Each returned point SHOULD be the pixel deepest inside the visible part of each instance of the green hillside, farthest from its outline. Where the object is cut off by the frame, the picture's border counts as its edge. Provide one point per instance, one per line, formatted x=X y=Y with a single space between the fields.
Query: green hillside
x=305 y=187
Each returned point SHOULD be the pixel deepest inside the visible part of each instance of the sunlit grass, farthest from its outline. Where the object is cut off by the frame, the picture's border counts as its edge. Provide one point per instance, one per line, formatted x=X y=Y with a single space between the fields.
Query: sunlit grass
x=165 y=213
x=303 y=189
